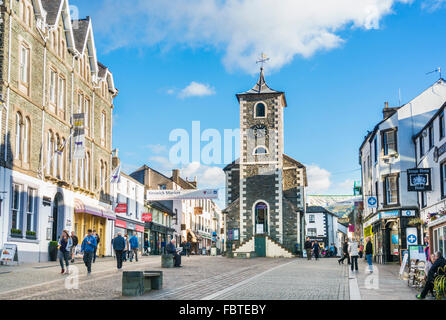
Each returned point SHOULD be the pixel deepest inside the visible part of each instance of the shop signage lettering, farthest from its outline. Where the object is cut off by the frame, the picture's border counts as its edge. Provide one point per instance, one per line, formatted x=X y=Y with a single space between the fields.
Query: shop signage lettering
x=131 y=226
x=158 y=195
x=120 y=224
x=9 y=253
x=121 y=208
x=147 y=216
x=419 y=179
x=390 y=214
x=408 y=213
x=439 y=151
x=139 y=228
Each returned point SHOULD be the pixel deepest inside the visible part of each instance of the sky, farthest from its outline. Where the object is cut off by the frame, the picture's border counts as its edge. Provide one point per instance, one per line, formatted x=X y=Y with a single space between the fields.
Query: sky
x=179 y=61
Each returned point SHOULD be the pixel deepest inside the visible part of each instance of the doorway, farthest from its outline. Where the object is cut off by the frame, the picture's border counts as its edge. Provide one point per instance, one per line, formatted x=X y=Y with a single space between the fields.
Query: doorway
x=261 y=218
x=58 y=217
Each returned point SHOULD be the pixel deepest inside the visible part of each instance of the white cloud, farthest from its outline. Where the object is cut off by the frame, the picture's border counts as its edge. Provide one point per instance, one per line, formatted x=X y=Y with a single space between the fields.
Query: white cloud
x=157 y=148
x=318 y=179
x=241 y=29
x=207 y=176
x=170 y=91
x=433 y=5
x=196 y=89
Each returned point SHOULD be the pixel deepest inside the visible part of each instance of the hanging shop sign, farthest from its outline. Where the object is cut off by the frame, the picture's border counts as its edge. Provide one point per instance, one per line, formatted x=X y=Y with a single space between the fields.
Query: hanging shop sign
x=79 y=136
x=419 y=179
x=198 y=210
x=390 y=214
x=121 y=208
x=408 y=213
x=159 y=195
x=412 y=236
x=147 y=216
x=372 y=202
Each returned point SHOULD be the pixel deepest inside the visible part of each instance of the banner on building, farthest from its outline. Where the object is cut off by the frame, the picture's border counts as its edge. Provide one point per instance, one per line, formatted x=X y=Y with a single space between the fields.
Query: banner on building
x=79 y=136
x=147 y=217
x=419 y=179
x=159 y=195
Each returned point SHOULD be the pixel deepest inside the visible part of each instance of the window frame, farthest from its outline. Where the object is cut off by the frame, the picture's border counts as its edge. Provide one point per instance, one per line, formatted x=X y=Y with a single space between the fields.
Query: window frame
x=397 y=190
x=384 y=145
x=443 y=179
x=264 y=110
x=431 y=136
x=441 y=126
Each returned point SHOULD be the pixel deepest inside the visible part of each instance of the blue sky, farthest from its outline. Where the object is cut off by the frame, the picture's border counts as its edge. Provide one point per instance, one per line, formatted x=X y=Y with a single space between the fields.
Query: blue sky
x=336 y=65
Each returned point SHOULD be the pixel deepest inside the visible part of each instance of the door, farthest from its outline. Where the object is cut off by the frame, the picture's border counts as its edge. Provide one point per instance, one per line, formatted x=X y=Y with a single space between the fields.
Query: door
x=260 y=246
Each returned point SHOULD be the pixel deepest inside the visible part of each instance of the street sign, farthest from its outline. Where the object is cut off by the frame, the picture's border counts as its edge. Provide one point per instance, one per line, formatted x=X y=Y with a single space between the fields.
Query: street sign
x=419 y=179
x=158 y=195
x=372 y=202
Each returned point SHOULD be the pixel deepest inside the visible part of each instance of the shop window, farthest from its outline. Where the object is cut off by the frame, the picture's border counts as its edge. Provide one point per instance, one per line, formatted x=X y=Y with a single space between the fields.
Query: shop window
x=311 y=218
x=311 y=232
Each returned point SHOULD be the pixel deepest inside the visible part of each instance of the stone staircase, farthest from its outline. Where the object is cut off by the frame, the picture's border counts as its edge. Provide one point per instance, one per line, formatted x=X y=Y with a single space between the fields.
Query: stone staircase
x=274 y=249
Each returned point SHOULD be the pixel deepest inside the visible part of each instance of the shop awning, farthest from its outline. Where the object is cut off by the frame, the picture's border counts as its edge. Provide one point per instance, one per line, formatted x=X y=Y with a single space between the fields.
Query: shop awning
x=194 y=237
x=81 y=207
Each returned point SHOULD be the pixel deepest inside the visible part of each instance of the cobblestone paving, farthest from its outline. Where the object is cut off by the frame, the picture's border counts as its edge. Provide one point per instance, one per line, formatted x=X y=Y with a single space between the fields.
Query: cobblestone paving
x=300 y=280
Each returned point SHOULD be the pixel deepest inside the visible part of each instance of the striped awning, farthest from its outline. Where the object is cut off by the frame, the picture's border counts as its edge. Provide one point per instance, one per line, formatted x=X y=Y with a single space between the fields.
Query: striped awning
x=80 y=207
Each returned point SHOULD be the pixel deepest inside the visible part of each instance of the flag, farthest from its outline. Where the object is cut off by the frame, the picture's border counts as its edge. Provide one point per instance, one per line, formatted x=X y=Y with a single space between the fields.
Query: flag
x=116 y=175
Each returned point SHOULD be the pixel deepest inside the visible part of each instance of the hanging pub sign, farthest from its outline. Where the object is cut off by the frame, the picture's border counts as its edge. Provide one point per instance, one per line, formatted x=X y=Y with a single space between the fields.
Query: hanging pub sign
x=79 y=136
x=419 y=179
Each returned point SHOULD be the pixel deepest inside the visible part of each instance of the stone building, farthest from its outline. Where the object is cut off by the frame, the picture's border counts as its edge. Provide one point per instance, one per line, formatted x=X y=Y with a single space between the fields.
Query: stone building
x=48 y=72
x=265 y=188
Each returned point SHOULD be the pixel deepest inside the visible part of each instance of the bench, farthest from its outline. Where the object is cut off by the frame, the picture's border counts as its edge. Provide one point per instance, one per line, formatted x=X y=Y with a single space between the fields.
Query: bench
x=136 y=283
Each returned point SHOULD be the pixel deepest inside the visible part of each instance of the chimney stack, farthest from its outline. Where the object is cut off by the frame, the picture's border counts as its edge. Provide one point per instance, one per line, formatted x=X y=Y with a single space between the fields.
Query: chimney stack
x=388 y=112
x=175 y=175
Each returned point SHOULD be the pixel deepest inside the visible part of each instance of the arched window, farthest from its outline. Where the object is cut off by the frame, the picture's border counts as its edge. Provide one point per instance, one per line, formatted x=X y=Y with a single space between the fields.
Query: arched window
x=260 y=151
x=260 y=110
x=18 y=136
x=26 y=135
x=261 y=218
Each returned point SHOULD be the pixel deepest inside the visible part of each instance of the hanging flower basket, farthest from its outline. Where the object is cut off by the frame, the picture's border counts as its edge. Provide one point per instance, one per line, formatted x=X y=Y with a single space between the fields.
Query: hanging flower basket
x=415 y=222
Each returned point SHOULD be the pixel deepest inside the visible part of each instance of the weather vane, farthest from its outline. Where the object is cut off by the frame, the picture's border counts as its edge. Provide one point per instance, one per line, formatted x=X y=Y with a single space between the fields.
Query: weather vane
x=262 y=60
x=436 y=70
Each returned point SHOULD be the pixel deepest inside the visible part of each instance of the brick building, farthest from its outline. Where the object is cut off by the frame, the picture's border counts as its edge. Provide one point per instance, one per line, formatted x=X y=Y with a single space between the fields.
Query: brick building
x=48 y=72
x=265 y=188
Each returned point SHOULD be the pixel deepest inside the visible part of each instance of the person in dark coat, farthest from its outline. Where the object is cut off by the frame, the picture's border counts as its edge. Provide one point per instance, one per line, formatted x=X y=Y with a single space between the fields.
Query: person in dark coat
x=171 y=249
x=118 y=246
x=88 y=246
x=75 y=241
x=440 y=262
x=316 y=249
x=307 y=247
x=345 y=253
x=369 y=253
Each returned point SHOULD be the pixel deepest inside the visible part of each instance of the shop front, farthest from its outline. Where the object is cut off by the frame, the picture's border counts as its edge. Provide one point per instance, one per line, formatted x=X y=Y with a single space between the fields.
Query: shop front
x=193 y=240
x=94 y=218
x=437 y=234
x=158 y=236
x=131 y=227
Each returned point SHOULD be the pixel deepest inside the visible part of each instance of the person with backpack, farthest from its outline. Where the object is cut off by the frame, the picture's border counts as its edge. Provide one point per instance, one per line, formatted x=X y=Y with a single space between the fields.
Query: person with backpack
x=75 y=241
x=97 y=244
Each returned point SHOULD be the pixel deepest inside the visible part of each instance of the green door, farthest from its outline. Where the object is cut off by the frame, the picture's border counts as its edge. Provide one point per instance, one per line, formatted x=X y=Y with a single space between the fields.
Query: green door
x=260 y=246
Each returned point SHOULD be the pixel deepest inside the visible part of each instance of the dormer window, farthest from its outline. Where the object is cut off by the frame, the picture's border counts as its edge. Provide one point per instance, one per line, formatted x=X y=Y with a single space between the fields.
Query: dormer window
x=260 y=110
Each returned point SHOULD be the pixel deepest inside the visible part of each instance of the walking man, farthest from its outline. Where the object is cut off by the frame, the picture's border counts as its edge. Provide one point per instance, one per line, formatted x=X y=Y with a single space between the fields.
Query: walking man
x=369 y=253
x=354 y=254
x=119 y=245
x=134 y=245
x=316 y=249
x=75 y=242
x=88 y=247
x=345 y=253
x=307 y=247
x=97 y=244
x=188 y=248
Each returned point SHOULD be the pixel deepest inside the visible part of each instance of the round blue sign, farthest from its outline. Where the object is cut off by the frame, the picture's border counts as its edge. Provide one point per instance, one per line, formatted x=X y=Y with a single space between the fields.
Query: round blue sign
x=412 y=238
x=371 y=201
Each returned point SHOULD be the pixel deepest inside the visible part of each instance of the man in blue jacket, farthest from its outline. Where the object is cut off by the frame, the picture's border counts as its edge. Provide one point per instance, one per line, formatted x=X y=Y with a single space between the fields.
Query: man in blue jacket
x=119 y=246
x=88 y=247
x=173 y=250
x=134 y=245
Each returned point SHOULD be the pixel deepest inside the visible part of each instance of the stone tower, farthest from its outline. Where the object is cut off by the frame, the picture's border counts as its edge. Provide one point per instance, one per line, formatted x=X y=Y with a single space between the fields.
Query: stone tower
x=264 y=187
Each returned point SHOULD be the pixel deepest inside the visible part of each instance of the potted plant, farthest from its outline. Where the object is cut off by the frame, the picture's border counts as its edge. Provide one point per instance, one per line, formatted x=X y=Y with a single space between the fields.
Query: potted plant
x=16 y=233
x=52 y=250
x=31 y=235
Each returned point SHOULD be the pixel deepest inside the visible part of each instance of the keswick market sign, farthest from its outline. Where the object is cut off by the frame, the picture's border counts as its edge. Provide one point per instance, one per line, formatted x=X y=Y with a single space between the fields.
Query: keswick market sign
x=159 y=195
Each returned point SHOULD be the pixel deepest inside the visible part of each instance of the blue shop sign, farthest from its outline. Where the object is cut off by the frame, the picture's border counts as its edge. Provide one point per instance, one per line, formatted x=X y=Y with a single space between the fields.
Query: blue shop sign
x=390 y=214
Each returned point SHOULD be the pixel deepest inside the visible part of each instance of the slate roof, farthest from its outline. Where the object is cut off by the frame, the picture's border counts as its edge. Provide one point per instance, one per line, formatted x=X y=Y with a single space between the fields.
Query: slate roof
x=80 y=33
x=52 y=9
x=318 y=209
x=102 y=70
x=261 y=87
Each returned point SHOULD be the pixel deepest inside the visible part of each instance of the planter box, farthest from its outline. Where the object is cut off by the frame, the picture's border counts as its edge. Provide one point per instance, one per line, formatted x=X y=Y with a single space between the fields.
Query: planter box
x=16 y=235
x=31 y=237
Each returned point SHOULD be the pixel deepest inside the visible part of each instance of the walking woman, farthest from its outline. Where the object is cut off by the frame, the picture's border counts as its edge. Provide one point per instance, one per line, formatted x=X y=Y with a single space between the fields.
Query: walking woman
x=369 y=253
x=316 y=249
x=65 y=244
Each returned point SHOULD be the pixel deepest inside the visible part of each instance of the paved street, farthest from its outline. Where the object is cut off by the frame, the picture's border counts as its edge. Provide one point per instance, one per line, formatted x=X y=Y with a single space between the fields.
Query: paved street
x=212 y=278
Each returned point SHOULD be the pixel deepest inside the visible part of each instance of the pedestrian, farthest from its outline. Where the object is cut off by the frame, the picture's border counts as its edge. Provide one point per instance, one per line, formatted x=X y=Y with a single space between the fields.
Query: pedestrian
x=146 y=246
x=439 y=262
x=171 y=249
x=126 y=248
x=134 y=245
x=369 y=253
x=97 y=244
x=88 y=246
x=307 y=247
x=344 y=253
x=118 y=246
x=335 y=251
x=316 y=249
x=75 y=241
x=188 y=248
x=361 y=250
x=332 y=250
x=64 y=245
x=354 y=254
